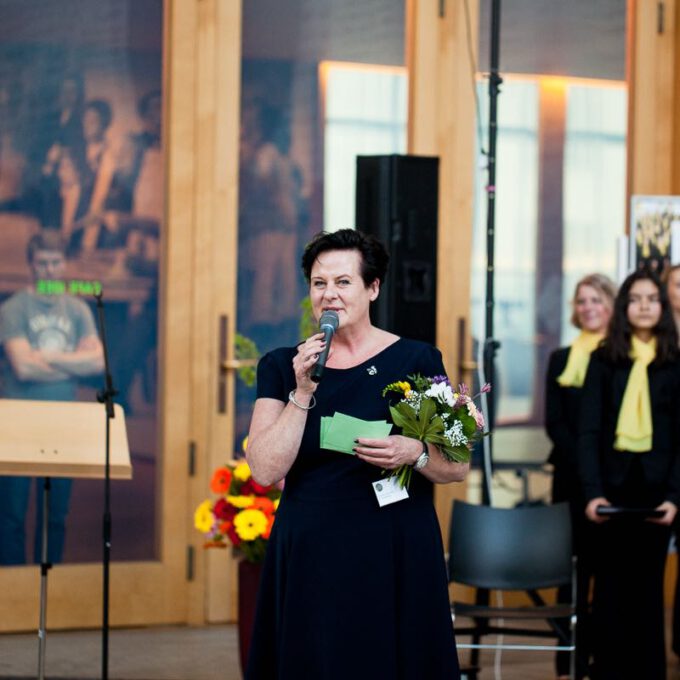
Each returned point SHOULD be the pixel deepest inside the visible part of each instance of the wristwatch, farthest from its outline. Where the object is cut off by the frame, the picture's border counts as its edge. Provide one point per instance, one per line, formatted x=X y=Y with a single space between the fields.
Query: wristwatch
x=423 y=459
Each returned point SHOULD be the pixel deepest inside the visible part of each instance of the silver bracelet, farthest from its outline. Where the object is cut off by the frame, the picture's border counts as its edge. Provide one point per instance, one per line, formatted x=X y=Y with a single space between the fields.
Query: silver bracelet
x=312 y=403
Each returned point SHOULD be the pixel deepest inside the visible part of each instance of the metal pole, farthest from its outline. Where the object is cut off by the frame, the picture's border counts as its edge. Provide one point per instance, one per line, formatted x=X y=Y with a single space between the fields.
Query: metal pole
x=491 y=345
x=44 y=568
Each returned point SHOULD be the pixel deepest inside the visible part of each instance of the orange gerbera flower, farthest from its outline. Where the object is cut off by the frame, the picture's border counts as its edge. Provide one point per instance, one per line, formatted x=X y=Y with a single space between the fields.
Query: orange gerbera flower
x=264 y=504
x=221 y=480
x=270 y=524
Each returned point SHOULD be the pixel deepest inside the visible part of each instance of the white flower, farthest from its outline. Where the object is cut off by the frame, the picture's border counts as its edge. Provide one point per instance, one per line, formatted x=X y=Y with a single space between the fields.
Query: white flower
x=442 y=392
x=455 y=434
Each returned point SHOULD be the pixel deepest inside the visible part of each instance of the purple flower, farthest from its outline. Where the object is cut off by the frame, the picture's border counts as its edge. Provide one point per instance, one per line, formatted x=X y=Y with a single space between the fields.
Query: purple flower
x=440 y=379
x=463 y=389
x=486 y=388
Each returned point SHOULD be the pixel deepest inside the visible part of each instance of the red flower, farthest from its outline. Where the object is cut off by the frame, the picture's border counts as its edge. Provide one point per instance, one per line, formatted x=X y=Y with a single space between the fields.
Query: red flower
x=233 y=536
x=223 y=510
x=221 y=480
x=259 y=489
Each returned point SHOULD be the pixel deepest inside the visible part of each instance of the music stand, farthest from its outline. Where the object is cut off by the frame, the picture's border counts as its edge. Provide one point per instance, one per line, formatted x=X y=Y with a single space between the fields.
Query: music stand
x=58 y=439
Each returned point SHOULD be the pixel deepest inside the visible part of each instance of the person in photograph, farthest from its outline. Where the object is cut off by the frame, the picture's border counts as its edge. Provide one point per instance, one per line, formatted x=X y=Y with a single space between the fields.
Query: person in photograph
x=57 y=144
x=50 y=341
x=12 y=152
x=138 y=182
x=95 y=168
x=135 y=206
x=629 y=433
x=592 y=307
x=269 y=216
x=339 y=567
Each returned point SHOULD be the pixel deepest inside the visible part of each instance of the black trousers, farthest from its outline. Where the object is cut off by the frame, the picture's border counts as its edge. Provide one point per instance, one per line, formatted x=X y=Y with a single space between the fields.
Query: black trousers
x=628 y=609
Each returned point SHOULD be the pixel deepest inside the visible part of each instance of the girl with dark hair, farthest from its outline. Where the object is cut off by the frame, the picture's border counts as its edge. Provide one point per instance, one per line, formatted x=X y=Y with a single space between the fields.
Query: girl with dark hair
x=628 y=459
x=349 y=589
x=592 y=306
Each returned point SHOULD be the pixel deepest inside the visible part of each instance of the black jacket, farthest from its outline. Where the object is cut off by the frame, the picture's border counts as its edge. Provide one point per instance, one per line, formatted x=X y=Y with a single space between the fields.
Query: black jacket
x=604 y=470
x=562 y=406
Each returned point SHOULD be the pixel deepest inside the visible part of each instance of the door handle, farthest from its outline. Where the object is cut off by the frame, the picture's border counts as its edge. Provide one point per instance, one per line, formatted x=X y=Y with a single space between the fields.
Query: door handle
x=237 y=364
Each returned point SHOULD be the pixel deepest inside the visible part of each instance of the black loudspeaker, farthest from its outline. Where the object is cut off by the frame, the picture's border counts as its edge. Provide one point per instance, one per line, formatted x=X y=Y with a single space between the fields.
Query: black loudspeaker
x=396 y=201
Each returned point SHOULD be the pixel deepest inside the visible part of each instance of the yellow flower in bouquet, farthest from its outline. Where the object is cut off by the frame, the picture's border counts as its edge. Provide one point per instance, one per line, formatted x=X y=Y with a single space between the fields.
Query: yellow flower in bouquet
x=243 y=513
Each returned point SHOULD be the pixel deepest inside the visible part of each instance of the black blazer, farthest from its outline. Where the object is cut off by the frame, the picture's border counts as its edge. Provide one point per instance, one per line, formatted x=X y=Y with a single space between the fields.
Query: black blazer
x=602 y=469
x=562 y=405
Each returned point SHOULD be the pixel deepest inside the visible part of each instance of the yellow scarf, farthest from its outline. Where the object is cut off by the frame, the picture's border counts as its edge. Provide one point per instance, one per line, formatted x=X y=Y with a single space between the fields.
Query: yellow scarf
x=634 y=426
x=574 y=372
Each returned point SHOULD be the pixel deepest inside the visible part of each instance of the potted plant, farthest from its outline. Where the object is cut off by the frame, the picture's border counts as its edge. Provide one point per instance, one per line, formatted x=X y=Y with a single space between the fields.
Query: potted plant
x=241 y=516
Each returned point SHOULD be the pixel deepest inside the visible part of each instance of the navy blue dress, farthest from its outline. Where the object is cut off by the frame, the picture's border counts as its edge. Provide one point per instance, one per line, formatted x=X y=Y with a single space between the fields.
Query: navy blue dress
x=351 y=590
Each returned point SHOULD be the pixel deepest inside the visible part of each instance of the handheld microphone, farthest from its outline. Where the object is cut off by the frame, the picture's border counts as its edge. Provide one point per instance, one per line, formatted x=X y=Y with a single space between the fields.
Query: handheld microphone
x=328 y=324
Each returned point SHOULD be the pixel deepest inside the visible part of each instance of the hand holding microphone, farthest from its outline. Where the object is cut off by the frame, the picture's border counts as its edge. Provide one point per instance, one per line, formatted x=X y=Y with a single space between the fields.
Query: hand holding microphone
x=328 y=324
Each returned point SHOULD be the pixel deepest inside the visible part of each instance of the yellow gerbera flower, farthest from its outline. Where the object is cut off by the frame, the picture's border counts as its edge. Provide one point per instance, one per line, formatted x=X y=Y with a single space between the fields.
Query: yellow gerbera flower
x=203 y=517
x=241 y=501
x=242 y=472
x=250 y=524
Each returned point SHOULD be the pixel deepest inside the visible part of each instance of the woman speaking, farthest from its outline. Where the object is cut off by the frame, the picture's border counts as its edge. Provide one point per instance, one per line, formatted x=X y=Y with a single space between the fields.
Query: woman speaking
x=350 y=588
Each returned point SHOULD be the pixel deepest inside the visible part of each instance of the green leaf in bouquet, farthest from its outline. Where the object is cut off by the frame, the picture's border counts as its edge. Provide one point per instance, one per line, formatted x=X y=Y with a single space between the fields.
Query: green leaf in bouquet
x=456 y=454
x=469 y=425
x=438 y=439
x=427 y=410
x=402 y=415
x=434 y=427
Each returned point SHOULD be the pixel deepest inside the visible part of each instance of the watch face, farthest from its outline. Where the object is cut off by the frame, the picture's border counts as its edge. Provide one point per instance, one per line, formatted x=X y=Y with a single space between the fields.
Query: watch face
x=422 y=461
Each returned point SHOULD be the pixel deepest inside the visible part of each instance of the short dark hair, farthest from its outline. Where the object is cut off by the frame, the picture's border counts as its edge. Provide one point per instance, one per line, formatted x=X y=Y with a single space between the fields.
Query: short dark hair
x=617 y=343
x=103 y=109
x=374 y=255
x=48 y=239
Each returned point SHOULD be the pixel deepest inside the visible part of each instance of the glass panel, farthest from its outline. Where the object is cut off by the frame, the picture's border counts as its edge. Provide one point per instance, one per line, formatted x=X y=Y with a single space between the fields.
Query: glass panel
x=81 y=180
x=515 y=248
x=366 y=109
x=594 y=186
x=299 y=141
x=571 y=185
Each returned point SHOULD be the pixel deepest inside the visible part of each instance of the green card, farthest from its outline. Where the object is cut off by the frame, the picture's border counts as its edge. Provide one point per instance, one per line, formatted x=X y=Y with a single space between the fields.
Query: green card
x=339 y=432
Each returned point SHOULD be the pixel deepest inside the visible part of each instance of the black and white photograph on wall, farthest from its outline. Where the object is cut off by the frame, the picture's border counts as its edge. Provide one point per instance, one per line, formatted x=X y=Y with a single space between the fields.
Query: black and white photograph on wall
x=654 y=232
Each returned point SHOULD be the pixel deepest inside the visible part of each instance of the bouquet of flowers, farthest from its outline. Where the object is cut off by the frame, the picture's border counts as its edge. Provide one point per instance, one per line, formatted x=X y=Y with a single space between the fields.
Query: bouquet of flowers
x=431 y=411
x=243 y=514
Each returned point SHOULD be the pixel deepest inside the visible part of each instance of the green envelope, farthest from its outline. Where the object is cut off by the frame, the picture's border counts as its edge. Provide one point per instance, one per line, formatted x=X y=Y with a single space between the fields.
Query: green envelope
x=339 y=431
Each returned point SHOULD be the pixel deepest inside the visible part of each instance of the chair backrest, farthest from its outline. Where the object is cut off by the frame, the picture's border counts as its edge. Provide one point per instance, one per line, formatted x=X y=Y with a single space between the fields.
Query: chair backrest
x=510 y=549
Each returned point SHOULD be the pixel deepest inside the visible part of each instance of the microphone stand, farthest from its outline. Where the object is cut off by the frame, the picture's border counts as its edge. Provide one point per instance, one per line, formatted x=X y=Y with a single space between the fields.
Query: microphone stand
x=105 y=396
x=491 y=345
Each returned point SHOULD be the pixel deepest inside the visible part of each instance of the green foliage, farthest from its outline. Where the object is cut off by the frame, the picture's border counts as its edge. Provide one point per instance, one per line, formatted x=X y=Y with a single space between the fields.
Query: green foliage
x=245 y=349
x=307 y=323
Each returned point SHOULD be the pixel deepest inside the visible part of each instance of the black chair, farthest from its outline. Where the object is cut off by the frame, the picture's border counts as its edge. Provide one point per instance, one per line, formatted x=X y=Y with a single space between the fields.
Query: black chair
x=517 y=549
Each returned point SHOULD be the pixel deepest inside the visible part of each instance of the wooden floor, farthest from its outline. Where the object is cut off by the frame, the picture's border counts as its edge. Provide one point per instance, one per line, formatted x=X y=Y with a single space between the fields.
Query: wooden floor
x=208 y=653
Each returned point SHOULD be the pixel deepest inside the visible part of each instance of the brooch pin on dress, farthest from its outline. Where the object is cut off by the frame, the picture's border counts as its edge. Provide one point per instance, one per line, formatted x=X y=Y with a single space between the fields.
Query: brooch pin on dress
x=372 y=370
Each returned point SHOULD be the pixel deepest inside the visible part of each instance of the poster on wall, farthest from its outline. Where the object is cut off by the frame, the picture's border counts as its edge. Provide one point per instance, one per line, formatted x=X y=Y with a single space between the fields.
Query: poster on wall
x=654 y=232
x=81 y=211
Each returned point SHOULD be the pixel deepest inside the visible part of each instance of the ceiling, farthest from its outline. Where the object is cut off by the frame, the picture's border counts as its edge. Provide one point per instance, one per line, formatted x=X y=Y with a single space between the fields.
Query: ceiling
x=583 y=38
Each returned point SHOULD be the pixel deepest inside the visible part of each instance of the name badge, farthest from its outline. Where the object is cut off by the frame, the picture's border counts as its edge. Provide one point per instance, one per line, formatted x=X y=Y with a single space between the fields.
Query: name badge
x=388 y=491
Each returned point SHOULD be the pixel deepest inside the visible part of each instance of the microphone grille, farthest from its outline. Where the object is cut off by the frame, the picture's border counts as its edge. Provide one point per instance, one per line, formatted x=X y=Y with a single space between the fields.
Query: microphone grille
x=329 y=318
